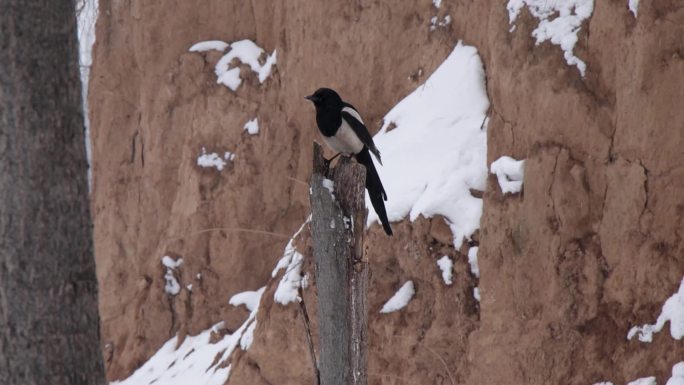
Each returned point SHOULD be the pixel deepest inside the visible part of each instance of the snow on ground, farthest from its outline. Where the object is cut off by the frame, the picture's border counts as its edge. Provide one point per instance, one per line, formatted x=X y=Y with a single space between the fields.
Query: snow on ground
x=400 y=299
x=510 y=173
x=252 y=126
x=437 y=151
x=447 y=266
x=472 y=261
x=209 y=45
x=437 y=3
x=244 y=51
x=634 y=7
x=194 y=361
x=214 y=160
x=476 y=294
x=288 y=287
x=172 y=287
x=559 y=23
x=673 y=311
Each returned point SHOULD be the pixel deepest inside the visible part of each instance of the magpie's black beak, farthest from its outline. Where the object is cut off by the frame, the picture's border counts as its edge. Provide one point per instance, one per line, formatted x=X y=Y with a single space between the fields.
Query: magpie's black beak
x=313 y=98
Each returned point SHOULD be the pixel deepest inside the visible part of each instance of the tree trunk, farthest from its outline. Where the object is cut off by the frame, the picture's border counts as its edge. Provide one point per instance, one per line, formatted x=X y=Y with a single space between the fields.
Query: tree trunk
x=48 y=290
x=341 y=272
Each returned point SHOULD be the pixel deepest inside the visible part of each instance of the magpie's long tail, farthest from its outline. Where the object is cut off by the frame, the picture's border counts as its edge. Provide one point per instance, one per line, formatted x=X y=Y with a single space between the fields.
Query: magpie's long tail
x=375 y=190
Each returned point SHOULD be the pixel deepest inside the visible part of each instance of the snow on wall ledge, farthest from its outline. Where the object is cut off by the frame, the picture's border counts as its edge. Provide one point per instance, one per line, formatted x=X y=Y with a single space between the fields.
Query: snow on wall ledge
x=559 y=23
x=509 y=173
x=437 y=151
x=247 y=52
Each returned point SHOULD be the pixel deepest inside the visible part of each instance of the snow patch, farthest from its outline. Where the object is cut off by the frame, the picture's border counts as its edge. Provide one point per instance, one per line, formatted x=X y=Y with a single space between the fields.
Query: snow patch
x=400 y=299
x=437 y=3
x=673 y=311
x=559 y=22
x=439 y=124
x=209 y=45
x=248 y=53
x=476 y=293
x=472 y=261
x=677 y=374
x=251 y=300
x=288 y=287
x=170 y=262
x=634 y=7
x=214 y=160
x=248 y=337
x=435 y=22
x=252 y=127
x=248 y=298
x=510 y=173
x=172 y=287
x=447 y=266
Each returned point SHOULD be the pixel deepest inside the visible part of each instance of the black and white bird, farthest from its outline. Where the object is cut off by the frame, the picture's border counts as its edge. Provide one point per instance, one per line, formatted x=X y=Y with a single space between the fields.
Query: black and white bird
x=343 y=130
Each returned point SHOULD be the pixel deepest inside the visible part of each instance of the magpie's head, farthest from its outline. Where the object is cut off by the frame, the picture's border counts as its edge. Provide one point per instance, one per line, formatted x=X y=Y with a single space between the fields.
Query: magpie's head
x=325 y=98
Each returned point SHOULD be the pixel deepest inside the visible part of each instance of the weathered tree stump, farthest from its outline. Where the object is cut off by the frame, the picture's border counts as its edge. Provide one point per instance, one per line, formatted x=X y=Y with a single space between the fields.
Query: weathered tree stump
x=338 y=217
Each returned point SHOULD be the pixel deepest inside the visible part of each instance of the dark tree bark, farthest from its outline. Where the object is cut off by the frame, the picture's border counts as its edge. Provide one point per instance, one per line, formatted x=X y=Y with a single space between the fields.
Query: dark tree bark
x=49 y=327
x=341 y=271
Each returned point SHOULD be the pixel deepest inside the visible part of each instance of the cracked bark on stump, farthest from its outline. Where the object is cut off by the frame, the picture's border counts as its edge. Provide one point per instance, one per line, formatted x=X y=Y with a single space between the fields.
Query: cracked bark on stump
x=341 y=271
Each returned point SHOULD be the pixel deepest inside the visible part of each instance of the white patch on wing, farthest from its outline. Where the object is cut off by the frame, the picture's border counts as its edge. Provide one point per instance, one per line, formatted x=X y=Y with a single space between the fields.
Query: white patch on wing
x=344 y=140
x=353 y=113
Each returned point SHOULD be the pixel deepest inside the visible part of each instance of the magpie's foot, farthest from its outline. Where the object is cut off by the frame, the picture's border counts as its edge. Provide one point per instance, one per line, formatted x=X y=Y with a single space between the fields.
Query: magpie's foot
x=326 y=164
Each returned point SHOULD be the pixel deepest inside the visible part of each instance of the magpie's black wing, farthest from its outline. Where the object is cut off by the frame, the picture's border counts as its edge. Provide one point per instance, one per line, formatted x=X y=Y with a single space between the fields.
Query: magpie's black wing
x=352 y=117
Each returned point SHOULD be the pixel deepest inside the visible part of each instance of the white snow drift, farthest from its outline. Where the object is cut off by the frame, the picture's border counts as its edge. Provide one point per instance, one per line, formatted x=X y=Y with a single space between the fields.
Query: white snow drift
x=437 y=151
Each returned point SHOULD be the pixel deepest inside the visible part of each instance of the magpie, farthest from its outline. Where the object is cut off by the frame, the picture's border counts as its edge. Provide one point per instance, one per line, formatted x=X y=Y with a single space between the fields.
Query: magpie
x=343 y=130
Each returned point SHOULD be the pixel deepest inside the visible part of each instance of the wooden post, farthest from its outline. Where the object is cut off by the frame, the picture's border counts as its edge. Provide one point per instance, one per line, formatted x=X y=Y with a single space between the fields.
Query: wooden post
x=338 y=218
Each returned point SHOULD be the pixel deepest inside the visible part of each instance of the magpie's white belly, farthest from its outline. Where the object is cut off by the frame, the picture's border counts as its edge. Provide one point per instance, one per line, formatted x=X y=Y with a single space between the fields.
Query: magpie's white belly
x=344 y=140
